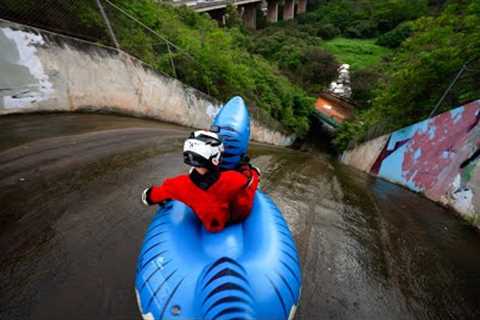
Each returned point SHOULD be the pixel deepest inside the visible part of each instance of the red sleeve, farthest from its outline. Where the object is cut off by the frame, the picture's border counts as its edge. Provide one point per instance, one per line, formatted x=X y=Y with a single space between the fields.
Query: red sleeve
x=180 y=188
x=169 y=190
x=243 y=202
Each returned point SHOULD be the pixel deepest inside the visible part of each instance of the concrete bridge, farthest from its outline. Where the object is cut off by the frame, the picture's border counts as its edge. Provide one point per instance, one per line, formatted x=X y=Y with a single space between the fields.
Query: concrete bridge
x=248 y=9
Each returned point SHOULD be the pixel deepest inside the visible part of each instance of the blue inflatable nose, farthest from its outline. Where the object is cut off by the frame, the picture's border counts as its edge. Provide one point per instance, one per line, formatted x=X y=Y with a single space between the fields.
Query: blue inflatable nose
x=232 y=123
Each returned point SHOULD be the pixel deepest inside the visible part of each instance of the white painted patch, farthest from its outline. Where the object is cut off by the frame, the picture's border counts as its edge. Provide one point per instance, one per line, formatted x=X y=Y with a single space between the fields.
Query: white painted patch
x=26 y=45
x=212 y=111
x=463 y=201
x=417 y=154
x=457 y=114
x=456 y=183
x=431 y=132
x=446 y=154
x=461 y=197
x=146 y=316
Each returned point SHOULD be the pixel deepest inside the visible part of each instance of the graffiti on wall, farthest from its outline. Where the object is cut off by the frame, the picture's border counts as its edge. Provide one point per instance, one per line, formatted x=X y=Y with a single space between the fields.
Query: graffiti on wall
x=438 y=157
x=24 y=81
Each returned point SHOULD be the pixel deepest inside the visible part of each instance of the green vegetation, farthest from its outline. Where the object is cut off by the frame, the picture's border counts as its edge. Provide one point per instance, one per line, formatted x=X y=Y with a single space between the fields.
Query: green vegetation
x=403 y=53
x=421 y=71
x=358 y=53
x=214 y=60
x=311 y=62
x=205 y=56
x=394 y=38
x=298 y=56
x=364 y=18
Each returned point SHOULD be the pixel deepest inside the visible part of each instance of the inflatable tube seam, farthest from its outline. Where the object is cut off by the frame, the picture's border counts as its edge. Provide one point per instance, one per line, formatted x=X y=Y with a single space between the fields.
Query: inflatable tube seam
x=170 y=298
x=287 y=285
x=225 y=272
x=155 y=292
x=153 y=258
x=291 y=271
x=279 y=296
x=152 y=274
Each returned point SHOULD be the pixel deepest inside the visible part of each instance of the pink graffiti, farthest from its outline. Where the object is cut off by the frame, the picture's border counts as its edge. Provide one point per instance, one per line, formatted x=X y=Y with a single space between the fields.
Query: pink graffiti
x=433 y=156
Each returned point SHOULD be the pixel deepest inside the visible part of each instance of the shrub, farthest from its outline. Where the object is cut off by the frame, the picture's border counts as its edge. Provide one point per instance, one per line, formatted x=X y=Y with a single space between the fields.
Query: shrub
x=328 y=31
x=421 y=70
x=362 y=29
x=394 y=38
x=363 y=84
x=232 y=17
x=318 y=69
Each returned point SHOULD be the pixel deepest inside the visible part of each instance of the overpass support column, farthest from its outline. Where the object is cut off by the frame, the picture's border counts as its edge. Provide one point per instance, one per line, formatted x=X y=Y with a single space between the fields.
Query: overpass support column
x=250 y=16
x=272 y=11
x=301 y=6
x=288 y=10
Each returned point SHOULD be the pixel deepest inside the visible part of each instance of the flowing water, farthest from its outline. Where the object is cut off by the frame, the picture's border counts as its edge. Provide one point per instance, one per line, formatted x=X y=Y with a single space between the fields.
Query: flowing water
x=71 y=225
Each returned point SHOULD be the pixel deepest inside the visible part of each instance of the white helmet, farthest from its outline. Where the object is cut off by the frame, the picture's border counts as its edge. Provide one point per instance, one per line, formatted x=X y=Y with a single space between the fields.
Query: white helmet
x=203 y=149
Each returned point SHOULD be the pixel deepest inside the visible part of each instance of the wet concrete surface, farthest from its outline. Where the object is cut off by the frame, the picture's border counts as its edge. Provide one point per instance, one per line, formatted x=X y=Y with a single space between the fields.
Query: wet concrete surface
x=71 y=225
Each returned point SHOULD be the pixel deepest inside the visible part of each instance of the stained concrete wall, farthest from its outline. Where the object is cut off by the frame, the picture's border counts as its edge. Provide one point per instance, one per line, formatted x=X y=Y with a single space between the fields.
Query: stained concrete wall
x=364 y=156
x=41 y=71
x=438 y=157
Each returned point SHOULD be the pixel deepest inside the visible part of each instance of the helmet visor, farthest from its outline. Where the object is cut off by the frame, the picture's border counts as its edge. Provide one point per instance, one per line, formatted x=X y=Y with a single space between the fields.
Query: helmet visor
x=195 y=160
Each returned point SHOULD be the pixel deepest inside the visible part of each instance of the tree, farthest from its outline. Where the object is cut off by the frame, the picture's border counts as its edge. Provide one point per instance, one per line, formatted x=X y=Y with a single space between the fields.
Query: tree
x=422 y=69
x=232 y=16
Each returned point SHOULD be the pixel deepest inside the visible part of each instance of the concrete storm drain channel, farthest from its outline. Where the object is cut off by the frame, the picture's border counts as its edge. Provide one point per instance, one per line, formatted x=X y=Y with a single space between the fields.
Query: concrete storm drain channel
x=71 y=226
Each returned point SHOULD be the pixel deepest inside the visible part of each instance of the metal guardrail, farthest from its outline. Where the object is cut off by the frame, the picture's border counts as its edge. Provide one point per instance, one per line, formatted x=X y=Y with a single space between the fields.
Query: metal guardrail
x=203 y=6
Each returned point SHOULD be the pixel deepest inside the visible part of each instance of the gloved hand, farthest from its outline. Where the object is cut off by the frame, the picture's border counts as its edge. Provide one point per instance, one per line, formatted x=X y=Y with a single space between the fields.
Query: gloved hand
x=146 y=196
x=146 y=200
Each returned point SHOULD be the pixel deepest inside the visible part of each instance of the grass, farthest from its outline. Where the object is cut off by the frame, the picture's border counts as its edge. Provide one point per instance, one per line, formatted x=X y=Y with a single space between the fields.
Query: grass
x=358 y=53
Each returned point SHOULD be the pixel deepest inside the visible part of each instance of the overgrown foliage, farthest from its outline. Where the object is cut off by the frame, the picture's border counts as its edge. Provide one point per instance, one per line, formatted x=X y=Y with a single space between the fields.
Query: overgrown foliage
x=393 y=39
x=298 y=55
x=310 y=61
x=214 y=60
x=205 y=56
x=403 y=53
x=420 y=72
x=365 y=18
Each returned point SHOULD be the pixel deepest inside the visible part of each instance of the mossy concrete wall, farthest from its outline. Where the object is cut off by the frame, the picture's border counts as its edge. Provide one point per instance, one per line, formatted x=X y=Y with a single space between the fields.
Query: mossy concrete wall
x=41 y=71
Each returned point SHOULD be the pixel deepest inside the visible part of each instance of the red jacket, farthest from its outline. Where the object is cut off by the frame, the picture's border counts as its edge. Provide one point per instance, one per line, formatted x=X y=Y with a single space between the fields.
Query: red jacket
x=228 y=199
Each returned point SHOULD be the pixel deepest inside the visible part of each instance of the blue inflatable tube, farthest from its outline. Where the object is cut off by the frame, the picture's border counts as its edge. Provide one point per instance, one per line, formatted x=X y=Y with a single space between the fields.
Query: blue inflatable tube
x=232 y=123
x=248 y=271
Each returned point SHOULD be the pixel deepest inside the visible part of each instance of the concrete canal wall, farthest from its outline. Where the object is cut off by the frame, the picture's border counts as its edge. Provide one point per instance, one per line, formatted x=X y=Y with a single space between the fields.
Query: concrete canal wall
x=438 y=157
x=41 y=71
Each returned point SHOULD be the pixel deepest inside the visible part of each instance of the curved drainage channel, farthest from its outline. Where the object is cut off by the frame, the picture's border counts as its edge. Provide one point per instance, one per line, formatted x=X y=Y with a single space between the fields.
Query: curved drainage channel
x=71 y=225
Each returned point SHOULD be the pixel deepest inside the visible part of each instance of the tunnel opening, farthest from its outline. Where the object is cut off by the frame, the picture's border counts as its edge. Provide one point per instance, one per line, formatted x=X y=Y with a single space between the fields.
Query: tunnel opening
x=319 y=138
